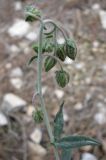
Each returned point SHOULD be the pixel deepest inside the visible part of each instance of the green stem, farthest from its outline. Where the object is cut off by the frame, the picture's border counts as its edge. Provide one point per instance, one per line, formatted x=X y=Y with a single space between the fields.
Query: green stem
x=63 y=31
x=39 y=87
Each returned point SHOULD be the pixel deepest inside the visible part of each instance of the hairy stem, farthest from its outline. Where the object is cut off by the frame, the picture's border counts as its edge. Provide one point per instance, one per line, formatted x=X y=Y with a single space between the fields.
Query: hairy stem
x=39 y=87
x=63 y=31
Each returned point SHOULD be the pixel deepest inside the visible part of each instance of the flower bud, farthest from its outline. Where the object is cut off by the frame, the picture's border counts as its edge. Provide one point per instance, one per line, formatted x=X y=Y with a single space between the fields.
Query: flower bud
x=49 y=63
x=71 y=49
x=60 y=52
x=48 y=47
x=62 y=78
x=38 y=116
x=32 y=13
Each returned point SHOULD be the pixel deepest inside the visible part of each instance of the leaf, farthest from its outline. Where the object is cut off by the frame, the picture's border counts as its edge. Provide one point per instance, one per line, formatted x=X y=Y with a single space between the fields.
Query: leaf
x=35 y=47
x=49 y=36
x=76 y=142
x=49 y=63
x=32 y=59
x=58 y=123
x=66 y=154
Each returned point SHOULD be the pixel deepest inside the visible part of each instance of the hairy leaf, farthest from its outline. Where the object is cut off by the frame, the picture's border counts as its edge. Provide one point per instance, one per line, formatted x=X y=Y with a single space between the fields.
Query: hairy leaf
x=76 y=141
x=35 y=47
x=58 y=123
x=32 y=59
x=66 y=154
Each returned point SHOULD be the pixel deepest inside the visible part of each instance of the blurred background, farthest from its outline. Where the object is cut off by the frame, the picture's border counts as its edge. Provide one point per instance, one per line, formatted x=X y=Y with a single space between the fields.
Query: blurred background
x=85 y=96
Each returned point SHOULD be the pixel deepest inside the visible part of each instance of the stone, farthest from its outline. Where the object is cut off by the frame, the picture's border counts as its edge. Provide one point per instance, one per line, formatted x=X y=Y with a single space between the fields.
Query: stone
x=12 y=102
x=96 y=7
x=59 y=93
x=19 y=29
x=36 y=149
x=88 y=80
x=95 y=44
x=87 y=148
x=14 y=49
x=44 y=89
x=68 y=61
x=61 y=41
x=18 y=5
x=103 y=67
x=27 y=50
x=8 y=66
x=3 y=120
x=88 y=96
x=65 y=116
x=30 y=110
x=102 y=14
x=101 y=107
x=32 y=36
x=16 y=72
x=16 y=82
x=36 y=136
x=88 y=156
x=100 y=118
x=78 y=106
x=79 y=65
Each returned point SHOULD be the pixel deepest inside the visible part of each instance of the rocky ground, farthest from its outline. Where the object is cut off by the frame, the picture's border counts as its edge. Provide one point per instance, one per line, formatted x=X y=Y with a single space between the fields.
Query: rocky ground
x=85 y=96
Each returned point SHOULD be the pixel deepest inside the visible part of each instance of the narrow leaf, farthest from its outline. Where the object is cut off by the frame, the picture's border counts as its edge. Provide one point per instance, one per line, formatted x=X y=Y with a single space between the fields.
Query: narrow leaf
x=32 y=59
x=58 y=123
x=66 y=154
x=76 y=142
x=49 y=36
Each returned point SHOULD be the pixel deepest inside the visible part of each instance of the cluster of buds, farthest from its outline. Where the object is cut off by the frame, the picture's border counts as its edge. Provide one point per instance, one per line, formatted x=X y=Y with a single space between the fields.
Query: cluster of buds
x=56 y=52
